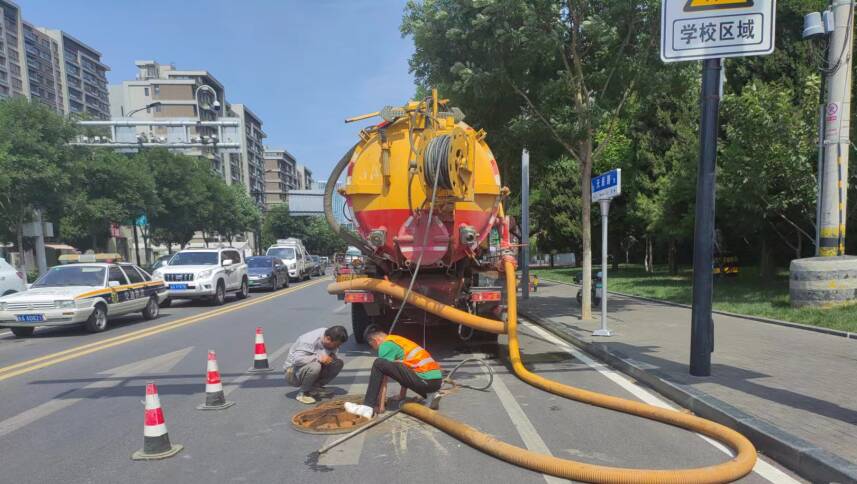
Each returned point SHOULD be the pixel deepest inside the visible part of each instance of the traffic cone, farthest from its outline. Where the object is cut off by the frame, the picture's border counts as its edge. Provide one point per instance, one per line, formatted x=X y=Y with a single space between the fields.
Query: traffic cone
x=214 y=398
x=156 y=440
x=260 y=356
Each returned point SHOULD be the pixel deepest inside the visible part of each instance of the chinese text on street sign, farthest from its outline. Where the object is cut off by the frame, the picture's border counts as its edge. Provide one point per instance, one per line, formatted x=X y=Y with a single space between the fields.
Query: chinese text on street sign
x=607 y=185
x=704 y=29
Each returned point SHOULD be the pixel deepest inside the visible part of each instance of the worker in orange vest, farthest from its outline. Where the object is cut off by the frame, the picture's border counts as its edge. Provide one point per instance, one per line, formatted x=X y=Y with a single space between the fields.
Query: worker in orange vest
x=405 y=362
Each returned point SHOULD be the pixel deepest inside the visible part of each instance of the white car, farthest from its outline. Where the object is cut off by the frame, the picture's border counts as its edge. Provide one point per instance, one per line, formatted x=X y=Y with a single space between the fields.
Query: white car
x=293 y=253
x=205 y=274
x=82 y=293
x=11 y=281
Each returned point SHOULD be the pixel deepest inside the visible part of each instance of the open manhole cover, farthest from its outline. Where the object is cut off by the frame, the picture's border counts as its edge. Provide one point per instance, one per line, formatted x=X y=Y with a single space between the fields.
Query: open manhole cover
x=329 y=417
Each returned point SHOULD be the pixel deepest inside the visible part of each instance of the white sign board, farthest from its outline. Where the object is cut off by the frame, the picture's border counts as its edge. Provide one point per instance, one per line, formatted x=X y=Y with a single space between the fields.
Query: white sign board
x=707 y=29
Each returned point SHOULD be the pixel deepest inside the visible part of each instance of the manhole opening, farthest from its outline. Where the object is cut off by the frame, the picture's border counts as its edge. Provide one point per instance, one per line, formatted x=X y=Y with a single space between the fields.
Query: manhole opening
x=329 y=417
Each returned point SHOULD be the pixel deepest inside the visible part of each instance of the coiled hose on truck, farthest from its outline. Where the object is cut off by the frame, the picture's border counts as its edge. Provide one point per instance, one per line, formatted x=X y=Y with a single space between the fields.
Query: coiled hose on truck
x=728 y=471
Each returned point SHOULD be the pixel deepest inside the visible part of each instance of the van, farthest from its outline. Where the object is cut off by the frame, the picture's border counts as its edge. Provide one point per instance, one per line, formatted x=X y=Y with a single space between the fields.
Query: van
x=293 y=253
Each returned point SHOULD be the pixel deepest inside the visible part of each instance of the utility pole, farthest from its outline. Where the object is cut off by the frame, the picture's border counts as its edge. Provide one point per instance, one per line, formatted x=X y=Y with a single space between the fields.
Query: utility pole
x=701 y=325
x=834 y=178
x=525 y=224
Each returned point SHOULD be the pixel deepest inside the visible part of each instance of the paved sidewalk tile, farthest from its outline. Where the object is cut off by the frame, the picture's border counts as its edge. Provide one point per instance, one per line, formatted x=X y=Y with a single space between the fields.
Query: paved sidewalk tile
x=801 y=381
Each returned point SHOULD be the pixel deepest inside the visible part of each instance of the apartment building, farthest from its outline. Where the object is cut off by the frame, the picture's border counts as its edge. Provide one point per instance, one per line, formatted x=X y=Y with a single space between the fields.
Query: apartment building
x=45 y=77
x=280 y=175
x=160 y=93
x=13 y=78
x=304 y=177
x=83 y=77
x=252 y=150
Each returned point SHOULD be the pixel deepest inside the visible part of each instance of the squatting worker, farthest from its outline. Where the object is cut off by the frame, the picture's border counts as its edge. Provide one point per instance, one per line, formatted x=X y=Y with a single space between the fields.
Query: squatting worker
x=312 y=362
x=405 y=362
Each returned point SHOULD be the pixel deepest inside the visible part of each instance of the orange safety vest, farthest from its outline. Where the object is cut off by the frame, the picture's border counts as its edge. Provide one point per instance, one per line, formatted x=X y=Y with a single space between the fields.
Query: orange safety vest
x=416 y=357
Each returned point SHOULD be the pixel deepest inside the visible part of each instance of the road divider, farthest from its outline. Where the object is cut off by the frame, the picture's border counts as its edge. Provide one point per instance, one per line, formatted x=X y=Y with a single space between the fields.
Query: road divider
x=40 y=362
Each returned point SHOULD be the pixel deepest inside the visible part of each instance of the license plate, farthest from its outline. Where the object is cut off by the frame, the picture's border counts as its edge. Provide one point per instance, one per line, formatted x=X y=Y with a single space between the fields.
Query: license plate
x=30 y=318
x=178 y=286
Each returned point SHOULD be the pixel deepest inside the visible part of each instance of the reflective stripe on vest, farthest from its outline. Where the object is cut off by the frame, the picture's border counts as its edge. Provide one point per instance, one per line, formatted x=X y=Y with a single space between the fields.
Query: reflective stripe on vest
x=416 y=357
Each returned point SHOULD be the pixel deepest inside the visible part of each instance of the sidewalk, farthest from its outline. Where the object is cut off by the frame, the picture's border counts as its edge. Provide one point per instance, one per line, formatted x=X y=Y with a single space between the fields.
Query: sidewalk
x=792 y=392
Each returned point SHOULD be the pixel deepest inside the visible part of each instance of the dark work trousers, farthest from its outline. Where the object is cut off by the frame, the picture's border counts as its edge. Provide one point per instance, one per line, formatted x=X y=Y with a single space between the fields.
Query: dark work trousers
x=397 y=371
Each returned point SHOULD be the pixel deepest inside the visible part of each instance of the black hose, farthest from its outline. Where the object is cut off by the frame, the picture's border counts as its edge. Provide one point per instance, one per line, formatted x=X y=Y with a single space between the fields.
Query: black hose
x=349 y=237
x=436 y=157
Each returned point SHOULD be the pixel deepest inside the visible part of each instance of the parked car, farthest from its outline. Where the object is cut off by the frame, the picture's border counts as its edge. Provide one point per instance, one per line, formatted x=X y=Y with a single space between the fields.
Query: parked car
x=294 y=254
x=325 y=263
x=267 y=272
x=85 y=293
x=11 y=280
x=160 y=262
x=208 y=274
x=315 y=266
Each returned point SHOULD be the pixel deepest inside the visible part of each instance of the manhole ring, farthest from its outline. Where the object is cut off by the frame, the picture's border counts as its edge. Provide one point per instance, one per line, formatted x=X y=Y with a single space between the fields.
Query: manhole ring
x=329 y=417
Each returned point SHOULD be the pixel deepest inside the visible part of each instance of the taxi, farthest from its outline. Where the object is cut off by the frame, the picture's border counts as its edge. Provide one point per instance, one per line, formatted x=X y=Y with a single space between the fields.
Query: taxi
x=82 y=293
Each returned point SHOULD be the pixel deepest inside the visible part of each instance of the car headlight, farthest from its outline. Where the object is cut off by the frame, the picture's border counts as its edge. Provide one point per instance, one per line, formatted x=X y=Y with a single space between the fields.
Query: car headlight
x=204 y=274
x=64 y=304
x=157 y=276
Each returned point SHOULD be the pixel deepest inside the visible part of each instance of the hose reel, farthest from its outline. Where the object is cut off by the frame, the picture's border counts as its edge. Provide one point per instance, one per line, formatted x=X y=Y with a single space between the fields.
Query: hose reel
x=451 y=154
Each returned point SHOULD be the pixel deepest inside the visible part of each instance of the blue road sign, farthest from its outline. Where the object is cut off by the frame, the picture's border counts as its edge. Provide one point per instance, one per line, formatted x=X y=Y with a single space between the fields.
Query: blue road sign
x=607 y=185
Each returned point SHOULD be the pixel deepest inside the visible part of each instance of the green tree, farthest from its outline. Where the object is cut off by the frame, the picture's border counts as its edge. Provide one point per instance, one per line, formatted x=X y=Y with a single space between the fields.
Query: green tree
x=109 y=188
x=34 y=162
x=278 y=223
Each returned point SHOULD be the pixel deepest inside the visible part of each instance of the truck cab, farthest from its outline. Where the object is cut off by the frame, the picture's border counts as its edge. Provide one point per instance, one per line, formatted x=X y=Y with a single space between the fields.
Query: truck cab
x=293 y=253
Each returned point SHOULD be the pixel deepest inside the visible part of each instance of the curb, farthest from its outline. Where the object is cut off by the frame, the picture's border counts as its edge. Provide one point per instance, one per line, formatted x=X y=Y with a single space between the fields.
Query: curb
x=802 y=457
x=778 y=322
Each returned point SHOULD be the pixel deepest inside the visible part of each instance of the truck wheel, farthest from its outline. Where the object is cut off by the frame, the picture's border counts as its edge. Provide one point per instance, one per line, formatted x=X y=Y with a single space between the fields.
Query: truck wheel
x=97 y=321
x=219 y=295
x=359 y=322
x=244 y=291
x=166 y=303
x=152 y=309
x=22 y=332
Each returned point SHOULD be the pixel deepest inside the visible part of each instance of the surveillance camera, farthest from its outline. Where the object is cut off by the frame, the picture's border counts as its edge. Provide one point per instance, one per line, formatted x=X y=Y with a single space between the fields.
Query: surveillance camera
x=812 y=26
x=216 y=105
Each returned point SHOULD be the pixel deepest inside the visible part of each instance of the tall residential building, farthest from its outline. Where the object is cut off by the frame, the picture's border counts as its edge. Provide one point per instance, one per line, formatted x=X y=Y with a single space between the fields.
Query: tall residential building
x=13 y=78
x=51 y=67
x=280 y=175
x=304 y=177
x=163 y=93
x=252 y=150
x=83 y=76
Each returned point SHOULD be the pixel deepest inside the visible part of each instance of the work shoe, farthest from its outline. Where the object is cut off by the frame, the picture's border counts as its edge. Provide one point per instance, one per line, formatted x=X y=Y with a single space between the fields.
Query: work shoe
x=359 y=410
x=433 y=400
x=305 y=399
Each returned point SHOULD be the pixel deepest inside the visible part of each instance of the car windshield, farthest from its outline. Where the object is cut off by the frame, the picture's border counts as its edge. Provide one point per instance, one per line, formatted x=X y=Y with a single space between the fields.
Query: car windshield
x=282 y=252
x=314 y=258
x=260 y=261
x=72 y=276
x=194 y=259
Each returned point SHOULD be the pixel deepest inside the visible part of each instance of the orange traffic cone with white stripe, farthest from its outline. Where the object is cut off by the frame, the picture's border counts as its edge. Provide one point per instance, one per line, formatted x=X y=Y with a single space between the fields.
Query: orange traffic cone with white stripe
x=156 y=440
x=260 y=354
x=214 y=398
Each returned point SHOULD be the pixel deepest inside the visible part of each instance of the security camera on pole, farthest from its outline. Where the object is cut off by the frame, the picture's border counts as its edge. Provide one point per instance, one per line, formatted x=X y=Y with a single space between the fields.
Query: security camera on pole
x=605 y=187
x=710 y=30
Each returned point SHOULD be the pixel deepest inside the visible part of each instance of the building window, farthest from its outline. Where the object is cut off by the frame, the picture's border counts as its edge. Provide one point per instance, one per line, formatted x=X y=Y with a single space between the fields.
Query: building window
x=145 y=91
x=157 y=89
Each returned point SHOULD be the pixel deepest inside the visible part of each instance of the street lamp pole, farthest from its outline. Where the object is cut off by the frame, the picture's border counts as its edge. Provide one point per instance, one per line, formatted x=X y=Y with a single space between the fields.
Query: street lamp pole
x=148 y=106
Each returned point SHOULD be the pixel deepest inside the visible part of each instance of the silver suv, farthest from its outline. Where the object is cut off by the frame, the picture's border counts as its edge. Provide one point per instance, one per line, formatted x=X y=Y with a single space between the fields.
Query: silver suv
x=205 y=274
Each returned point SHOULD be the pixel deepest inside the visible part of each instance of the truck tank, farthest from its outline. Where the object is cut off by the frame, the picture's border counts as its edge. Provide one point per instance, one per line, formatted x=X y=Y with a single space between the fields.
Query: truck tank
x=425 y=192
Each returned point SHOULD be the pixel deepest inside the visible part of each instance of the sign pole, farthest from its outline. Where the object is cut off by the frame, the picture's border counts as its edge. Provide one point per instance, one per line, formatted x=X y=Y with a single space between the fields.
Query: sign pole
x=525 y=224
x=605 y=209
x=702 y=326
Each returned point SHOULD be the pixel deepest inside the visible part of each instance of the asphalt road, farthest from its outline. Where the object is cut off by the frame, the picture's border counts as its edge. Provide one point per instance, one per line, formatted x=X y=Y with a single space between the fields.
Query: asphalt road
x=71 y=405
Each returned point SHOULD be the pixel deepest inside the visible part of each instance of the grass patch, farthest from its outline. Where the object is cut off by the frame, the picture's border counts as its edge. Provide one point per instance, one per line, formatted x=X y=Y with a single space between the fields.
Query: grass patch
x=746 y=293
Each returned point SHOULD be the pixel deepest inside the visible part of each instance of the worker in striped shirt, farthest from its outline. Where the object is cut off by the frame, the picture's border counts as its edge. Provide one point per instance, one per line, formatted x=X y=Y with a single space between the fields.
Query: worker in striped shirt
x=405 y=362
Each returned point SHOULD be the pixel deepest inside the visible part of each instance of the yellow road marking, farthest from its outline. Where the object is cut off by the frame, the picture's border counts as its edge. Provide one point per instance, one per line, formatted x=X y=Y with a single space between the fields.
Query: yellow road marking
x=23 y=367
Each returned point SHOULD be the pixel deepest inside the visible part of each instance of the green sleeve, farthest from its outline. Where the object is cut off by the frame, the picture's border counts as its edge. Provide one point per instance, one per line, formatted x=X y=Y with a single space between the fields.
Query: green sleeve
x=391 y=351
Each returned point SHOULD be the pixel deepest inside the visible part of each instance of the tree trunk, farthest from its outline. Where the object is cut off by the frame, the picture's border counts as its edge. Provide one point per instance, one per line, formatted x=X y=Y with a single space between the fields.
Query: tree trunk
x=673 y=257
x=19 y=230
x=766 y=269
x=551 y=259
x=648 y=257
x=799 y=245
x=586 y=226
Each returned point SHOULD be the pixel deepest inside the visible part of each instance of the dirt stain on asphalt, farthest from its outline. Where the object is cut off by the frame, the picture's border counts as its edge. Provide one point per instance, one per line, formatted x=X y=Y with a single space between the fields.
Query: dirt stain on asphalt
x=312 y=462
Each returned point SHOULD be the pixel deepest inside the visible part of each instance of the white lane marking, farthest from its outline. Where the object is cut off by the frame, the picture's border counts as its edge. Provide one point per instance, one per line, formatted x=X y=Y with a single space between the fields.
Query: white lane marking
x=522 y=423
x=235 y=383
x=340 y=309
x=348 y=453
x=5 y=333
x=159 y=364
x=762 y=467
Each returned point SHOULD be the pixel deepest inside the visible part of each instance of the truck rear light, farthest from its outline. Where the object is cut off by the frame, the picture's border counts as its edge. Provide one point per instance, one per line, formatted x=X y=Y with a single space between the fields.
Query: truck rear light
x=345 y=270
x=359 y=297
x=485 y=296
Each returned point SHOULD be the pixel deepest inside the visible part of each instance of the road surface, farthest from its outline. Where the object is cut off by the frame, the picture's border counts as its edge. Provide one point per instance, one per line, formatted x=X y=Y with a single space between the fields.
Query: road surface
x=72 y=410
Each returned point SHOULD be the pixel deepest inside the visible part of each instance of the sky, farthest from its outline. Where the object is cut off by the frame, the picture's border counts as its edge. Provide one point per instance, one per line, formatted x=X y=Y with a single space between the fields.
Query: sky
x=302 y=66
